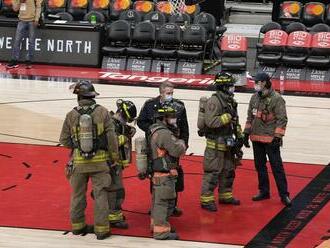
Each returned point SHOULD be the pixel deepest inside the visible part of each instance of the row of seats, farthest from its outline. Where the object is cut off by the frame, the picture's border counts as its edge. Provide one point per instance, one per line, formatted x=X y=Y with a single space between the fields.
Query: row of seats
x=105 y=10
x=309 y=13
x=295 y=46
x=170 y=42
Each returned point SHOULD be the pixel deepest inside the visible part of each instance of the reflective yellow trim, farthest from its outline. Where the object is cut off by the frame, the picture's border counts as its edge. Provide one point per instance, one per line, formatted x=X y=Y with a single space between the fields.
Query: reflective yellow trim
x=78 y=226
x=121 y=140
x=216 y=146
x=100 y=156
x=100 y=128
x=207 y=198
x=123 y=163
x=226 y=195
x=126 y=111
x=116 y=216
x=225 y=118
x=101 y=229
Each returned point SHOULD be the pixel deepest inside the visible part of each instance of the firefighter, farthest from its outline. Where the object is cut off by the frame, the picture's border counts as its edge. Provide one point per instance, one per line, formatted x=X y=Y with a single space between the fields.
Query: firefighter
x=223 y=135
x=166 y=148
x=265 y=127
x=87 y=130
x=126 y=113
x=147 y=118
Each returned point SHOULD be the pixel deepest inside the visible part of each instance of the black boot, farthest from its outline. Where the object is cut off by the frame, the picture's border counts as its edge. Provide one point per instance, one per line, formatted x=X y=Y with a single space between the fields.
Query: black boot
x=121 y=225
x=261 y=196
x=86 y=229
x=177 y=212
x=102 y=236
x=286 y=201
x=172 y=236
x=231 y=201
x=211 y=207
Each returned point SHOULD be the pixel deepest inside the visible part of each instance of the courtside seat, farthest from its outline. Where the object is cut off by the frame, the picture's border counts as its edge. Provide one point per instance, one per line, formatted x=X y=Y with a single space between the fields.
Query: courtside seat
x=319 y=56
x=233 y=52
x=193 y=43
x=208 y=22
x=132 y=16
x=143 y=7
x=265 y=28
x=156 y=17
x=295 y=26
x=100 y=18
x=290 y=11
x=313 y=13
x=320 y=27
x=65 y=16
x=117 y=7
x=143 y=40
x=78 y=9
x=180 y=19
x=101 y=6
x=297 y=48
x=272 y=48
x=168 y=41
x=118 y=38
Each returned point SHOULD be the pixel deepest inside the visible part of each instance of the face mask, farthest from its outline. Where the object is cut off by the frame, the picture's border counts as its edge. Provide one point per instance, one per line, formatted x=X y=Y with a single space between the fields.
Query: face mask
x=168 y=98
x=231 y=90
x=171 y=121
x=257 y=88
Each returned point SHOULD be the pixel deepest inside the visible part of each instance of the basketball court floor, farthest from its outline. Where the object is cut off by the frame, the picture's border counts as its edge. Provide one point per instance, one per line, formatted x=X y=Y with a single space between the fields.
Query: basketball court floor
x=35 y=194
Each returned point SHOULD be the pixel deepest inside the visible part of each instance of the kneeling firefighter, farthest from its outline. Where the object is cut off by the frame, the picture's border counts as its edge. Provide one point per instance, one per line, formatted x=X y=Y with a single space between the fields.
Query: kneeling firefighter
x=165 y=149
x=126 y=113
x=218 y=122
x=88 y=131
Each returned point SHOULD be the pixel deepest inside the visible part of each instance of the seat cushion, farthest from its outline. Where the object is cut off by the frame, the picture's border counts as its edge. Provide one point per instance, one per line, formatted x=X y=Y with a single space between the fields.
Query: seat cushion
x=294 y=59
x=114 y=50
x=134 y=51
x=189 y=54
x=269 y=58
x=163 y=53
x=318 y=61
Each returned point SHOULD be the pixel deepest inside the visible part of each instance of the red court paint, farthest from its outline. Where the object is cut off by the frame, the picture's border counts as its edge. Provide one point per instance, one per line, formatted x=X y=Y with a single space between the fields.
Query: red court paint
x=42 y=200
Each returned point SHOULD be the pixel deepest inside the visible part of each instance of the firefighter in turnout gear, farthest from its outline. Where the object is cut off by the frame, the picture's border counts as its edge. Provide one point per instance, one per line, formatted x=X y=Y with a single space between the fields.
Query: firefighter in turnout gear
x=126 y=113
x=166 y=148
x=88 y=131
x=147 y=118
x=223 y=137
x=265 y=126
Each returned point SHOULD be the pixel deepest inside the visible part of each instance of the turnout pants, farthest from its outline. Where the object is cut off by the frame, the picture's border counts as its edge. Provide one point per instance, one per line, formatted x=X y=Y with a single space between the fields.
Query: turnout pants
x=116 y=195
x=100 y=183
x=261 y=151
x=163 y=199
x=219 y=170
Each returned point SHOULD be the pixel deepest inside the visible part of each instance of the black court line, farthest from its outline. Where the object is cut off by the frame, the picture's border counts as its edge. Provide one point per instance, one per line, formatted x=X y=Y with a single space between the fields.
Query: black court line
x=287 y=224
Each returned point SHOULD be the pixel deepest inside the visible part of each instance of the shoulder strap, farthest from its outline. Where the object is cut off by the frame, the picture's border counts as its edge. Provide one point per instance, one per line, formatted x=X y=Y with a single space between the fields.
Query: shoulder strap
x=89 y=110
x=223 y=103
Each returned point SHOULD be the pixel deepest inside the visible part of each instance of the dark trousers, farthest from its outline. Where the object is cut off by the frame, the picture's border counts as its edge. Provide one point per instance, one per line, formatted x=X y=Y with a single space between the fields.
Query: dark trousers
x=261 y=152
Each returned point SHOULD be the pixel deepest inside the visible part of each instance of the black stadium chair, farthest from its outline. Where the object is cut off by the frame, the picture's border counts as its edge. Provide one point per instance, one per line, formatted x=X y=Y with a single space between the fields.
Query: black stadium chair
x=100 y=6
x=180 y=19
x=320 y=27
x=168 y=41
x=100 y=18
x=290 y=11
x=78 y=9
x=208 y=22
x=143 y=40
x=156 y=17
x=297 y=48
x=132 y=16
x=265 y=28
x=7 y=9
x=319 y=55
x=117 y=7
x=118 y=35
x=65 y=16
x=295 y=26
x=193 y=43
x=272 y=48
x=313 y=13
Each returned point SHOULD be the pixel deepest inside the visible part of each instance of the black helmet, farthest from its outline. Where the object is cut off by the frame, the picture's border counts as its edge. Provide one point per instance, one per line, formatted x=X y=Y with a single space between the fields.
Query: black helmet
x=224 y=79
x=85 y=88
x=263 y=77
x=166 y=110
x=127 y=108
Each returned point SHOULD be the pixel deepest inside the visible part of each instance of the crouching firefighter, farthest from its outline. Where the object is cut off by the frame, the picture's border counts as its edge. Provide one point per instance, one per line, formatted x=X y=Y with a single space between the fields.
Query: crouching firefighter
x=165 y=151
x=218 y=122
x=126 y=113
x=88 y=131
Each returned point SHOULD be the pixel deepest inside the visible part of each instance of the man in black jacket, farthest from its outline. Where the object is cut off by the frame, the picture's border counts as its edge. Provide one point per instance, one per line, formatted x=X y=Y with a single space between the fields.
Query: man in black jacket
x=147 y=118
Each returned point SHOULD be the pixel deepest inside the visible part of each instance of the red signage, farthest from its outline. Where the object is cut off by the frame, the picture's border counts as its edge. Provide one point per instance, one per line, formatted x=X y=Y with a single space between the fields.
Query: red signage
x=321 y=40
x=234 y=42
x=275 y=37
x=299 y=39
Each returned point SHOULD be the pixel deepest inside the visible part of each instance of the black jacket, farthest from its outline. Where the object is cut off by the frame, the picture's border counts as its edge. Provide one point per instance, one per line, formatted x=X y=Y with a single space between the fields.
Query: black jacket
x=146 y=116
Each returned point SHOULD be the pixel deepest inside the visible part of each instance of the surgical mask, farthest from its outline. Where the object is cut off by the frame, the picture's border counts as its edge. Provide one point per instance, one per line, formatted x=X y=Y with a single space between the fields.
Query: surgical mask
x=168 y=98
x=231 y=89
x=171 y=121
